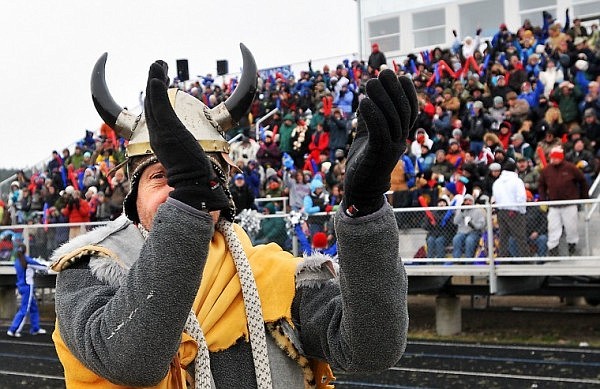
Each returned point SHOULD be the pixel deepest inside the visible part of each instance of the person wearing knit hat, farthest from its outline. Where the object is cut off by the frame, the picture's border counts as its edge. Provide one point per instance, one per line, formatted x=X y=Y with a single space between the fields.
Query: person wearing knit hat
x=470 y=222
x=562 y=180
x=317 y=245
x=518 y=147
x=557 y=154
x=316 y=201
x=174 y=283
x=498 y=111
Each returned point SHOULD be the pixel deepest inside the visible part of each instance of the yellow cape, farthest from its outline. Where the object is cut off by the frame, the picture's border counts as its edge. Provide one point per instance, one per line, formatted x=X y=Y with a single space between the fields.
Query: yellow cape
x=218 y=305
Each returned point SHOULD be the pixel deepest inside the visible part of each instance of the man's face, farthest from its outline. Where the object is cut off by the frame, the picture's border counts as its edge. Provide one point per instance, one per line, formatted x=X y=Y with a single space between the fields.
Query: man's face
x=239 y=182
x=152 y=192
x=522 y=165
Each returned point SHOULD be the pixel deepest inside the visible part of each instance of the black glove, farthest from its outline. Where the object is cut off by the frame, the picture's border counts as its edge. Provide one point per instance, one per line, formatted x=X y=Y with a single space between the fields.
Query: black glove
x=188 y=169
x=478 y=31
x=385 y=118
x=454 y=33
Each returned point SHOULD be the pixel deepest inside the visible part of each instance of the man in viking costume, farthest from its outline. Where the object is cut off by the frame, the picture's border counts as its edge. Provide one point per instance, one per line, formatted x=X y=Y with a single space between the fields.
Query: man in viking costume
x=173 y=293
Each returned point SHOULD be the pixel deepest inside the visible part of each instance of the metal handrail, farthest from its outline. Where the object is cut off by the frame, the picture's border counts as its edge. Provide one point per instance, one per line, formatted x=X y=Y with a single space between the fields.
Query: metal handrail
x=262 y=119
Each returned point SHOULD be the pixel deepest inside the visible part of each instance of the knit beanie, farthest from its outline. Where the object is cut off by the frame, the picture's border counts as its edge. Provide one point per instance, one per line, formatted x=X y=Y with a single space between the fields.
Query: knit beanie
x=557 y=153
x=319 y=240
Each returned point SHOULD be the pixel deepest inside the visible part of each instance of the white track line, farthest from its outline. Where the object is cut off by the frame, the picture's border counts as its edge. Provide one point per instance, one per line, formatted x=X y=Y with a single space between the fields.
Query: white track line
x=33 y=375
x=46 y=344
x=508 y=346
x=497 y=375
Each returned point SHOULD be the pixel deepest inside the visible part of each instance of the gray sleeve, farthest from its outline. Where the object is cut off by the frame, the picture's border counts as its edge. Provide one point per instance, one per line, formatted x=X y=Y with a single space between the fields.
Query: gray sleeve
x=360 y=324
x=129 y=334
x=458 y=217
x=479 y=219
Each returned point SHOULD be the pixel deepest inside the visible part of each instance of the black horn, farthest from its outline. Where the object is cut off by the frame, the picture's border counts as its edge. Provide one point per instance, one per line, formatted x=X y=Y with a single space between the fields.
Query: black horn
x=105 y=105
x=241 y=99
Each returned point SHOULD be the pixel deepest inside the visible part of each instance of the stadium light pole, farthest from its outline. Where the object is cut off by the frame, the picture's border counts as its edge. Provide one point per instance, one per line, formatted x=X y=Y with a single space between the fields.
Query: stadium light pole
x=360 y=42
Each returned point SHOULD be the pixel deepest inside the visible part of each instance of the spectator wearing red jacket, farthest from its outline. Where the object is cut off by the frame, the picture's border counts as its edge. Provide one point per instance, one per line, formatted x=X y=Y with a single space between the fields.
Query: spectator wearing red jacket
x=319 y=143
x=78 y=211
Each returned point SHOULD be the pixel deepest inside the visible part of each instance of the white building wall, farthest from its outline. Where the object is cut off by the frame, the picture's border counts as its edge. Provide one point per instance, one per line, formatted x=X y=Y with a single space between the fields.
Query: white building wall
x=403 y=42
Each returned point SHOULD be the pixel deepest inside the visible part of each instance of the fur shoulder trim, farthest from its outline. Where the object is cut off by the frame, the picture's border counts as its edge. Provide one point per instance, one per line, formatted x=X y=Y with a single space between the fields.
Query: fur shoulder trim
x=91 y=238
x=72 y=257
x=316 y=269
x=87 y=244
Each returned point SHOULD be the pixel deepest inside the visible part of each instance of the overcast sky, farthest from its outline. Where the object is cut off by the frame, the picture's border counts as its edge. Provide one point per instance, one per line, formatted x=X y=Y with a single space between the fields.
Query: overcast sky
x=49 y=48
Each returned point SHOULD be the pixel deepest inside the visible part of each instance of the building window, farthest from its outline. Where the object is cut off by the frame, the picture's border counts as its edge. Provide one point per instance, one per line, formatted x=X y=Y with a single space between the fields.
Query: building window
x=487 y=14
x=582 y=8
x=386 y=33
x=532 y=10
x=429 y=27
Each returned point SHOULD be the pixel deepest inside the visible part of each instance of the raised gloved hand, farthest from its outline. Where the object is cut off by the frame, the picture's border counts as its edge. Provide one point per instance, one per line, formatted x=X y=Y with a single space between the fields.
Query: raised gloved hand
x=189 y=171
x=385 y=118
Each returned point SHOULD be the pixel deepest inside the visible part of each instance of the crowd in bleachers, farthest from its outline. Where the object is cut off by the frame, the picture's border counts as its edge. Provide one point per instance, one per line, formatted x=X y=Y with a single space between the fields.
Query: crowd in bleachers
x=482 y=103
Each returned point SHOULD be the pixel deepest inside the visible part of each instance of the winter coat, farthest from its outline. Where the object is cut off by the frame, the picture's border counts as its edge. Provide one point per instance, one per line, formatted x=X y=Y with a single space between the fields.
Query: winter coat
x=563 y=181
x=318 y=144
x=242 y=197
x=338 y=133
x=110 y=304
x=77 y=214
x=568 y=104
x=269 y=155
x=475 y=218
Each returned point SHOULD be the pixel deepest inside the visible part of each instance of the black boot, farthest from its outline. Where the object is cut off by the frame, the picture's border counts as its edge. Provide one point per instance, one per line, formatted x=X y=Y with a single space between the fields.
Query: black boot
x=572 y=247
x=553 y=252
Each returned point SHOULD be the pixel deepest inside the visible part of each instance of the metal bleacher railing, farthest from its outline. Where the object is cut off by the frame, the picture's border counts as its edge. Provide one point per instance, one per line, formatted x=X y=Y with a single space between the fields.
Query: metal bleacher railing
x=585 y=262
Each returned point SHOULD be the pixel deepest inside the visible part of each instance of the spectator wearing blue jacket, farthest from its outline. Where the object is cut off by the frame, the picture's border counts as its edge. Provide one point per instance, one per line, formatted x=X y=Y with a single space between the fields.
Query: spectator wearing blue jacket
x=343 y=100
x=25 y=268
x=316 y=201
x=304 y=86
x=252 y=176
x=532 y=96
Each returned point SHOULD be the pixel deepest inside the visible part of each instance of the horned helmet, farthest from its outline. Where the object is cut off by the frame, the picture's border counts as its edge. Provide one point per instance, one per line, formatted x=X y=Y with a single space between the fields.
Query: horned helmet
x=207 y=125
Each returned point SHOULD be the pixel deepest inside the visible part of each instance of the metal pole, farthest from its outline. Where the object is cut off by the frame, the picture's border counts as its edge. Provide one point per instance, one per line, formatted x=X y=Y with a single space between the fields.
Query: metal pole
x=360 y=38
x=238 y=136
x=588 y=246
x=490 y=247
x=262 y=119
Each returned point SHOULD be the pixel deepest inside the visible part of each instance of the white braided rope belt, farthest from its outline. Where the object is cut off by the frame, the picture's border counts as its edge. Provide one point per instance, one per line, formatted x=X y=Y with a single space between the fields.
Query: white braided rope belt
x=258 y=341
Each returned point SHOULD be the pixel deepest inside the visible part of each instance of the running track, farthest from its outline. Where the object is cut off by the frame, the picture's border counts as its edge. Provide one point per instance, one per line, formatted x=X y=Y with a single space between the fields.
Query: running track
x=31 y=362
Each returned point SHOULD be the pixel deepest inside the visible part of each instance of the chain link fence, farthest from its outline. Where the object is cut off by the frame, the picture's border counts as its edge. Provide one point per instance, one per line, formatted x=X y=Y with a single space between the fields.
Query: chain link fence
x=428 y=235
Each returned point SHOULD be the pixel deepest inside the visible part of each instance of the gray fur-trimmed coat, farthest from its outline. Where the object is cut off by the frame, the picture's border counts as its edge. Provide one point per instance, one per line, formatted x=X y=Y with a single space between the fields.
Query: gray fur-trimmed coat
x=124 y=319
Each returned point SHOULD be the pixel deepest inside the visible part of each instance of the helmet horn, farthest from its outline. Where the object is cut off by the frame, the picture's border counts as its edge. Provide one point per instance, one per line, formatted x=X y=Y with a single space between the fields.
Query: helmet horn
x=228 y=113
x=117 y=118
